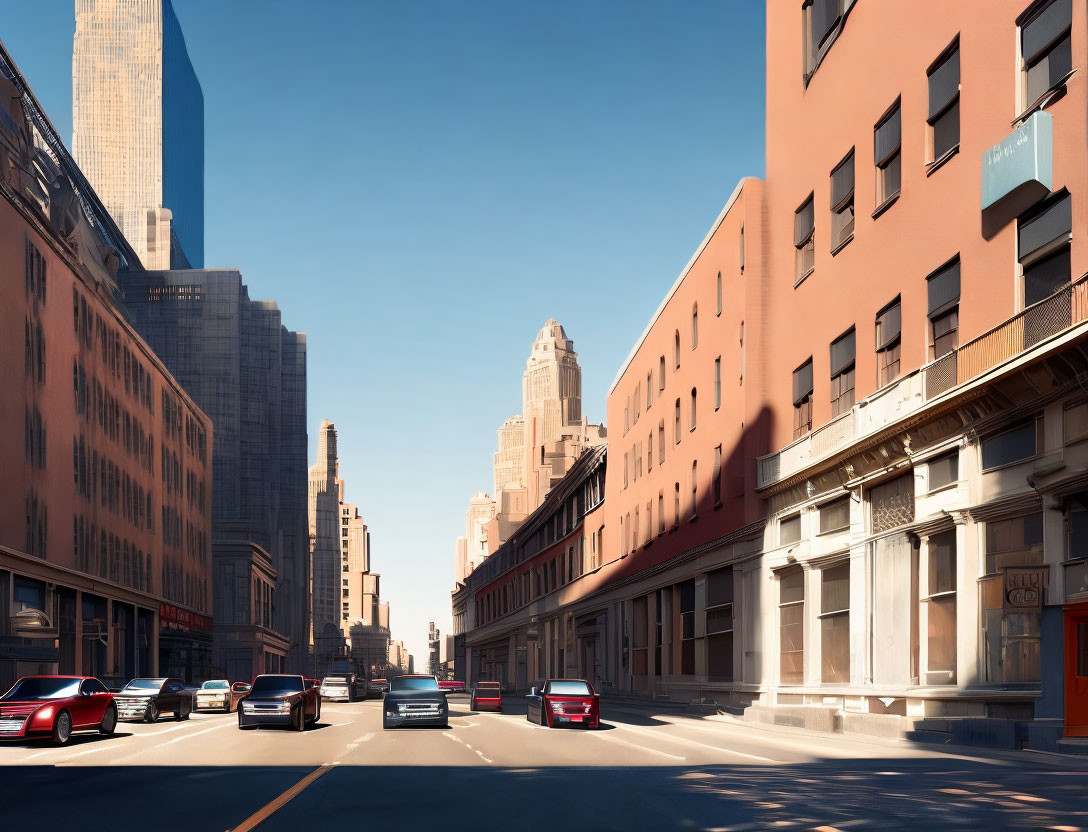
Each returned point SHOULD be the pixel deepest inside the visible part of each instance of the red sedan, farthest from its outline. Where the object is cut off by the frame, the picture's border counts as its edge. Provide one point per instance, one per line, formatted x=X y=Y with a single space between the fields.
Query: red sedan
x=52 y=707
x=564 y=702
x=486 y=696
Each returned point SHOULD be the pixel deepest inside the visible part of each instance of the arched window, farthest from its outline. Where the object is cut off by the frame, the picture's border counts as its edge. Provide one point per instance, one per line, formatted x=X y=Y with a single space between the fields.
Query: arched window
x=694 y=325
x=719 y=294
x=676 y=506
x=694 y=397
x=694 y=488
x=676 y=351
x=661 y=375
x=661 y=442
x=660 y=512
x=634 y=532
x=676 y=423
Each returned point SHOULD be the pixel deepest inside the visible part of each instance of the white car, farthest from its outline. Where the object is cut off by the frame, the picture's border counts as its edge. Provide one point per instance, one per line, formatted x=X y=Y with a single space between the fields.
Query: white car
x=215 y=695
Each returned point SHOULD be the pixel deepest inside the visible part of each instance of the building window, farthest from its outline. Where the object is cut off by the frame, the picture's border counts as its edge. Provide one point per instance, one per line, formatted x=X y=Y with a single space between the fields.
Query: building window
x=842 y=203
x=791 y=626
x=718 y=295
x=661 y=375
x=1011 y=636
x=687 y=628
x=718 y=475
x=625 y=470
x=741 y=246
x=888 y=339
x=944 y=104
x=943 y=288
x=676 y=506
x=719 y=624
x=661 y=442
x=835 y=515
x=1075 y=422
x=639 y=632
x=822 y=20
x=843 y=351
x=944 y=470
x=803 y=240
x=694 y=326
x=650 y=452
x=940 y=604
x=676 y=423
x=1043 y=243
x=694 y=489
x=717 y=382
x=660 y=512
x=1047 y=59
x=789 y=530
x=692 y=416
x=649 y=390
x=676 y=351
x=1017 y=444
x=891 y=503
x=835 y=623
x=887 y=155
x=802 y=399
x=638 y=402
x=743 y=357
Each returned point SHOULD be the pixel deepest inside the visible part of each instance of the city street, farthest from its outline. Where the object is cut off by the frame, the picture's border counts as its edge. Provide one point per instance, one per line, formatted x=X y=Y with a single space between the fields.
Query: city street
x=490 y=770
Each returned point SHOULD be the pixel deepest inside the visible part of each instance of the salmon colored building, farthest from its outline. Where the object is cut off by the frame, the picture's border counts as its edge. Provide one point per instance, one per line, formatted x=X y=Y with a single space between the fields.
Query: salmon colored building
x=105 y=507
x=847 y=480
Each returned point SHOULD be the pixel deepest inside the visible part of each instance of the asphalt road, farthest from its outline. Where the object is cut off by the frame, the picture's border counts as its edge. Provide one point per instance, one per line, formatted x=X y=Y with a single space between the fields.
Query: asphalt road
x=496 y=771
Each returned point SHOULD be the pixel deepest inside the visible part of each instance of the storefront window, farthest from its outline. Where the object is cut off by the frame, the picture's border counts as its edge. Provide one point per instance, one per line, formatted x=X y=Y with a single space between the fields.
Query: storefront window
x=95 y=635
x=791 y=625
x=941 y=610
x=1011 y=619
x=638 y=636
x=687 y=627
x=835 y=623
x=719 y=624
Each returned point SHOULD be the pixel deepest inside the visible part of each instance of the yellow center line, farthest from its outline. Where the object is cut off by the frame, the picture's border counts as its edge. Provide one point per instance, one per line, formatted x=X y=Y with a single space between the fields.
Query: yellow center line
x=269 y=809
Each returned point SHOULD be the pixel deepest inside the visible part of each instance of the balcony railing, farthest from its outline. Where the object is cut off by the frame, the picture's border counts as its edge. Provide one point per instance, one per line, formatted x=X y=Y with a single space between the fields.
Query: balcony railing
x=1064 y=309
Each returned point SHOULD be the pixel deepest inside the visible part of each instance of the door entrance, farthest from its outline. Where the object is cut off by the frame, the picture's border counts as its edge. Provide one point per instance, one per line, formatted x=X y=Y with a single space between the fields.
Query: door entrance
x=1076 y=670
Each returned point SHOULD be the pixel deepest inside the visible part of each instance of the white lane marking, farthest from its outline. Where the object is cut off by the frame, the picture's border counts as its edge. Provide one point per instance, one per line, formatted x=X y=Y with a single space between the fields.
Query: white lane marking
x=476 y=751
x=94 y=750
x=357 y=742
x=673 y=738
x=156 y=733
x=40 y=753
x=198 y=733
x=634 y=745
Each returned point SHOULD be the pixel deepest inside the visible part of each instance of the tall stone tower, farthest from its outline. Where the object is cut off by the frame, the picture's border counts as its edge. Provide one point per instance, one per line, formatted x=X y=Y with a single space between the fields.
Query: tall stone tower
x=551 y=386
x=325 y=555
x=138 y=126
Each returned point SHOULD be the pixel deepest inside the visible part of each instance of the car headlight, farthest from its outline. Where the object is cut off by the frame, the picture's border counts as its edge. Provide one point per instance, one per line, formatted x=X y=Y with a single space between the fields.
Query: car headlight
x=45 y=713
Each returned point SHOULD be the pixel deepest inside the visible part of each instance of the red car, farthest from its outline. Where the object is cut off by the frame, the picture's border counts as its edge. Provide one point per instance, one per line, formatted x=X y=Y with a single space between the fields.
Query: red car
x=451 y=686
x=564 y=702
x=52 y=707
x=486 y=696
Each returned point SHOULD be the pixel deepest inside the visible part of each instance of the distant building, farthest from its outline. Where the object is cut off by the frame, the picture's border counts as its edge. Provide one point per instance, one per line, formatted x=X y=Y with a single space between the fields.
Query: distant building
x=509 y=463
x=473 y=548
x=248 y=372
x=434 y=647
x=138 y=126
x=325 y=548
x=106 y=515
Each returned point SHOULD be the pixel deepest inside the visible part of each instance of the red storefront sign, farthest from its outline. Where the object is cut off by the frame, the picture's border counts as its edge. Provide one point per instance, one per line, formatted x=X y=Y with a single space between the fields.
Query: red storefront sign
x=176 y=618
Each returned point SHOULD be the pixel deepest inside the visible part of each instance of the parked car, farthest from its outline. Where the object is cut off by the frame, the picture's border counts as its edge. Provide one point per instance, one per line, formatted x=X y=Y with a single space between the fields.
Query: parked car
x=377 y=687
x=52 y=707
x=280 y=699
x=486 y=696
x=146 y=699
x=415 y=700
x=219 y=695
x=564 y=702
x=452 y=685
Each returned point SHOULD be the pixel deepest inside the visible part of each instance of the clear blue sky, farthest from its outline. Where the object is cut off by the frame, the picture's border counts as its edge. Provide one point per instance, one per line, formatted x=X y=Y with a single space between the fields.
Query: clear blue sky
x=420 y=184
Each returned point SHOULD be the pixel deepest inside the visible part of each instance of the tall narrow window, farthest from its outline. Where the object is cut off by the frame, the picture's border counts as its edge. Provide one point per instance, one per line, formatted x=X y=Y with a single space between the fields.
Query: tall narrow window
x=887 y=155
x=676 y=506
x=1045 y=50
x=1043 y=238
x=888 y=339
x=676 y=351
x=842 y=202
x=743 y=356
x=687 y=627
x=802 y=399
x=791 y=626
x=944 y=104
x=718 y=295
x=718 y=475
x=943 y=289
x=803 y=233
x=676 y=423
x=661 y=375
x=649 y=390
x=692 y=417
x=741 y=247
x=940 y=605
x=650 y=452
x=637 y=400
x=719 y=624
x=661 y=442
x=842 y=373
x=694 y=326
x=717 y=382
x=835 y=623
x=660 y=512
x=694 y=489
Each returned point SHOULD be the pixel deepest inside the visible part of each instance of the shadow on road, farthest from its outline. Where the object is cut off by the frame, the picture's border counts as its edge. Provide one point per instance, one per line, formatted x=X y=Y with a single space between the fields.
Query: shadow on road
x=881 y=794
x=75 y=740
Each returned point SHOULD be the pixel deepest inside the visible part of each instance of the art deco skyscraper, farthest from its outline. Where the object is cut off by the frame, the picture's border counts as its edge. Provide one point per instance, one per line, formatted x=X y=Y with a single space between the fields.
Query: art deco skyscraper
x=138 y=126
x=325 y=555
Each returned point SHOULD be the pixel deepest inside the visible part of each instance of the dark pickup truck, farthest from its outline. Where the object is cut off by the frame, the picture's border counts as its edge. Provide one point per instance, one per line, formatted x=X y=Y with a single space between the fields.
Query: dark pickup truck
x=147 y=698
x=280 y=699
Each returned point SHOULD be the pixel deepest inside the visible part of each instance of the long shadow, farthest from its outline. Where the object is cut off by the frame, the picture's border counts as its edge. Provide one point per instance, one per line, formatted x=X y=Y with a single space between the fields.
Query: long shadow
x=881 y=794
x=75 y=740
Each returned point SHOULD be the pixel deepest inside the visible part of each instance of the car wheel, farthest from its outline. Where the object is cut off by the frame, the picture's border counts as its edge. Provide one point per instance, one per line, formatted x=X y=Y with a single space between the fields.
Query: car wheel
x=385 y=725
x=186 y=711
x=109 y=720
x=543 y=717
x=179 y=714
x=472 y=704
x=152 y=712
x=62 y=728
x=298 y=723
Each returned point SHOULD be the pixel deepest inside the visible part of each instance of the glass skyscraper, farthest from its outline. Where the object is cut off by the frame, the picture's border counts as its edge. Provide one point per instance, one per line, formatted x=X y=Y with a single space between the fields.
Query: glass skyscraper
x=138 y=126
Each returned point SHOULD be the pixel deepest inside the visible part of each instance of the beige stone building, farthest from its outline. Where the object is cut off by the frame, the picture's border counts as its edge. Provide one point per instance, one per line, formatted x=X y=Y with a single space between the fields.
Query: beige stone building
x=325 y=554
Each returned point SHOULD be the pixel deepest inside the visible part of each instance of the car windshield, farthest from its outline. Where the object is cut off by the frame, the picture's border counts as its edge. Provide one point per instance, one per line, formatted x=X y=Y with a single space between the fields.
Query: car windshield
x=144 y=685
x=39 y=688
x=568 y=688
x=219 y=685
x=414 y=683
x=276 y=685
